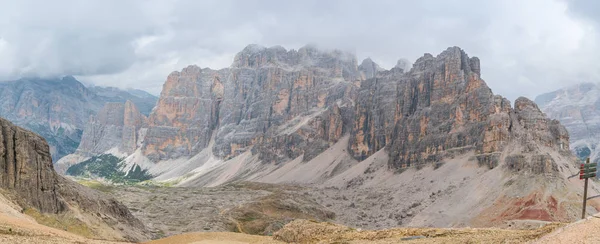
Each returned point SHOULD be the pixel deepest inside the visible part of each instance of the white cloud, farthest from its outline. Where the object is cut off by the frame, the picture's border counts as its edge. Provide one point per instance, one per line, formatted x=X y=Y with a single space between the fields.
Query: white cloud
x=525 y=47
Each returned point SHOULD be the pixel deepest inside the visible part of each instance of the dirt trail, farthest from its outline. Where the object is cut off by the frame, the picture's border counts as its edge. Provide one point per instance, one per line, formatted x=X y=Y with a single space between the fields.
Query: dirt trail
x=215 y=238
x=16 y=227
x=583 y=231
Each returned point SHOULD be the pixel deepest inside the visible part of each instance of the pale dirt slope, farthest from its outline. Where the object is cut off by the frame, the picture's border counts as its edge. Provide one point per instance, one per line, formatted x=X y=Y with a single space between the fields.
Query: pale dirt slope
x=583 y=231
x=16 y=227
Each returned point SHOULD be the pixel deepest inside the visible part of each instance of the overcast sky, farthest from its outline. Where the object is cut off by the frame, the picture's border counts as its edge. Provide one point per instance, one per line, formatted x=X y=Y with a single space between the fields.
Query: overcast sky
x=526 y=47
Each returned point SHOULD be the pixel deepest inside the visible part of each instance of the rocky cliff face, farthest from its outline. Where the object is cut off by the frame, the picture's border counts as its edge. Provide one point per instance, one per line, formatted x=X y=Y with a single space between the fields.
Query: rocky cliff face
x=27 y=176
x=312 y=116
x=272 y=93
x=186 y=114
x=143 y=100
x=26 y=169
x=284 y=104
x=439 y=107
x=578 y=108
x=116 y=128
x=264 y=89
x=58 y=109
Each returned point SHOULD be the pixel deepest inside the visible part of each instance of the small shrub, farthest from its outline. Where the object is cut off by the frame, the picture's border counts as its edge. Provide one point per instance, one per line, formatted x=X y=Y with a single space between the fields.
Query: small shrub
x=438 y=164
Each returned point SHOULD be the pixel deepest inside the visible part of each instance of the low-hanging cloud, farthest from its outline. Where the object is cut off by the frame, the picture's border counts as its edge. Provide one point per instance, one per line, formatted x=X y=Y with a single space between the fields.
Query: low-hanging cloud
x=525 y=47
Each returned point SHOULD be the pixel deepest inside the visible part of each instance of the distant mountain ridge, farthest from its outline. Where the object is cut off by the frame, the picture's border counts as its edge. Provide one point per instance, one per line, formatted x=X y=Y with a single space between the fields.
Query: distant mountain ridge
x=58 y=109
x=144 y=101
x=318 y=117
x=578 y=109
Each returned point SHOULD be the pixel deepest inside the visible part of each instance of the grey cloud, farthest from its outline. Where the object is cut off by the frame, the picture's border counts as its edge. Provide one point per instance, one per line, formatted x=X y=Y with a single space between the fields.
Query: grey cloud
x=524 y=49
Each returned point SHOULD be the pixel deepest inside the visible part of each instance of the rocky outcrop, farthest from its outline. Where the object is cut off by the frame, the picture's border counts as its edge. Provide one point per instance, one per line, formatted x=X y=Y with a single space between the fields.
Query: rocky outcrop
x=58 y=109
x=26 y=169
x=282 y=105
x=144 y=101
x=369 y=69
x=317 y=117
x=27 y=177
x=115 y=128
x=187 y=112
x=439 y=107
x=272 y=92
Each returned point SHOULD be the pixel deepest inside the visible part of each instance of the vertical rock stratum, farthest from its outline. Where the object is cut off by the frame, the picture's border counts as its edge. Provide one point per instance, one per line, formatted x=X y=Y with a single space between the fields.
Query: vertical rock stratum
x=28 y=178
x=314 y=116
x=58 y=109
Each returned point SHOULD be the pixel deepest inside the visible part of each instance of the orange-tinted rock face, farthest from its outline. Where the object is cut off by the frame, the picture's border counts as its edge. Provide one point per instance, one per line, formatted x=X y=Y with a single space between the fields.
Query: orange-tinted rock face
x=283 y=104
x=438 y=107
x=271 y=91
x=58 y=108
x=182 y=122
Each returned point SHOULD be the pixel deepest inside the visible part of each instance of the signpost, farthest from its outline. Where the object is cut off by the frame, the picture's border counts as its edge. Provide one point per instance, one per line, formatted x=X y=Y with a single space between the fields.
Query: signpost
x=586 y=171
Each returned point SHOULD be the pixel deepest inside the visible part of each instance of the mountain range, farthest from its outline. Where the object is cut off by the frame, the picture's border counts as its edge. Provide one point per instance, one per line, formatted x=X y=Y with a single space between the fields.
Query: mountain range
x=58 y=109
x=432 y=133
x=578 y=108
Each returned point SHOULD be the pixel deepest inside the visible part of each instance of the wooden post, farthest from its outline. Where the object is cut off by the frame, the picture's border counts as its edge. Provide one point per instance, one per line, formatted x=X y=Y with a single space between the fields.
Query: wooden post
x=585 y=186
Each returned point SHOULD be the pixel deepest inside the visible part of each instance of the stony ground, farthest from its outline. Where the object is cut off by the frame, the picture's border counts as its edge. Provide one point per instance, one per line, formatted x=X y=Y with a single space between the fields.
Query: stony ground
x=257 y=208
x=17 y=227
x=303 y=231
x=170 y=211
x=209 y=215
x=583 y=231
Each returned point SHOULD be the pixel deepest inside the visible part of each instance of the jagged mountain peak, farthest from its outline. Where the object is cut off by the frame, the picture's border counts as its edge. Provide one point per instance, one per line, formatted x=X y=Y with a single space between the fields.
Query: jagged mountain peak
x=254 y=56
x=403 y=65
x=367 y=61
x=524 y=102
x=369 y=68
x=313 y=116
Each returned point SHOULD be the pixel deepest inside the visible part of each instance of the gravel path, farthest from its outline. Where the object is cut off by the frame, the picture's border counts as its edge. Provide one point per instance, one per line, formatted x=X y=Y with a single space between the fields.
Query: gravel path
x=584 y=231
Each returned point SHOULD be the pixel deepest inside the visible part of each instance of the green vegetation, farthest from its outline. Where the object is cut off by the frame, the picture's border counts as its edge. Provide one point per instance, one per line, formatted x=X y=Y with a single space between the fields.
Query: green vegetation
x=62 y=222
x=109 y=167
x=96 y=185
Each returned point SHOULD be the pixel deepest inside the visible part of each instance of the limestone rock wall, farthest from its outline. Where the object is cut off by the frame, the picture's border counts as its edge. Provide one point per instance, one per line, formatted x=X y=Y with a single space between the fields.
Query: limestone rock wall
x=284 y=104
x=115 y=126
x=26 y=168
x=182 y=122
x=27 y=176
x=440 y=107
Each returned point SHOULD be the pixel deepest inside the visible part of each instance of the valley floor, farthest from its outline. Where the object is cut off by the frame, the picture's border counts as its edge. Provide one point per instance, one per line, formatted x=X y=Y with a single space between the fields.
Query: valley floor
x=211 y=215
x=300 y=231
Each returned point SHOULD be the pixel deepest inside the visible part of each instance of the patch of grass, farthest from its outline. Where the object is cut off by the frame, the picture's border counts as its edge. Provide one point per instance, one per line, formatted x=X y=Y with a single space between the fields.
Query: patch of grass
x=96 y=185
x=151 y=183
x=109 y=167
x=62 y=222
x=159 y=235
